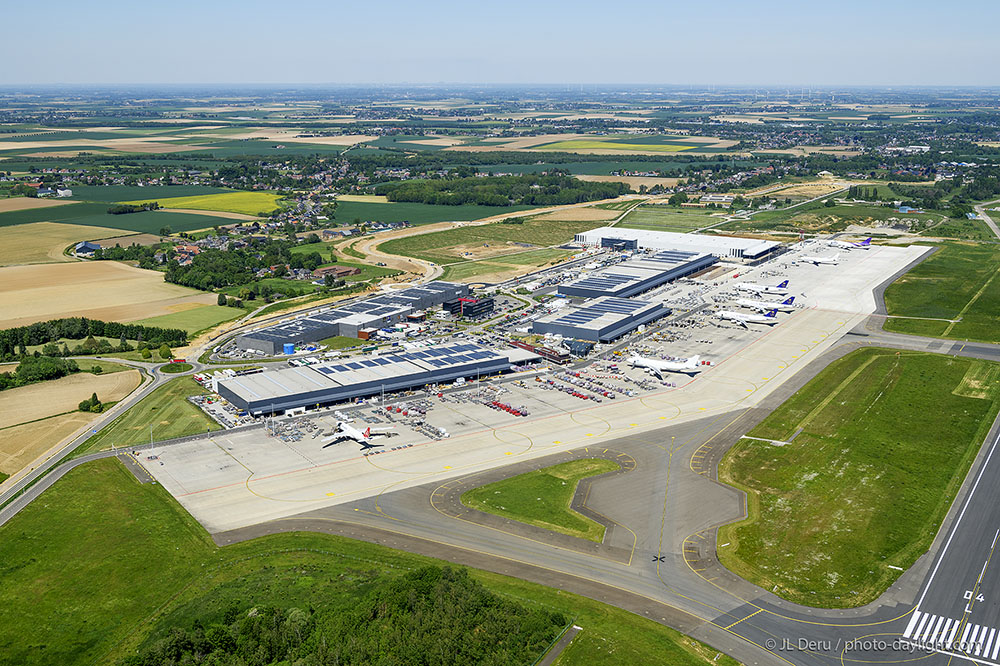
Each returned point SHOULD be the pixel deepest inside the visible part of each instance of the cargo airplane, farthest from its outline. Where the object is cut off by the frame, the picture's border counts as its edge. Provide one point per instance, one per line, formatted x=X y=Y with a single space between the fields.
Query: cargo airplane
x=764 y=306
x=657 y=366
x=816 y=261
x=845 y=245
x=770 y=318
x=345 y=432
x=779 y=289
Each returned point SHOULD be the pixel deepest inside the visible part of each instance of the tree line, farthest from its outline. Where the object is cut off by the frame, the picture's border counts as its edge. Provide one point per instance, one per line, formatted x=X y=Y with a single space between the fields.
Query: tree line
x=34 y=369
x=552 y=189
x=125 y=209
x=13 y=341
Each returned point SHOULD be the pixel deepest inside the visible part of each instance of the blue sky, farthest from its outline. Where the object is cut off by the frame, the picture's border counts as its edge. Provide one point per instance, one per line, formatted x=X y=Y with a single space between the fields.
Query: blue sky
x=751 y=42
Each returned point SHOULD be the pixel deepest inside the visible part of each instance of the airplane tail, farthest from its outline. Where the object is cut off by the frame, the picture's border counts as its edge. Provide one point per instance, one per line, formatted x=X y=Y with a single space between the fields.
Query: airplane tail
x=694 y=361
x=788 y=301
x=772 y=313
x=783 y=284
x=368 y=431
x=836 y=256
x=866 y=242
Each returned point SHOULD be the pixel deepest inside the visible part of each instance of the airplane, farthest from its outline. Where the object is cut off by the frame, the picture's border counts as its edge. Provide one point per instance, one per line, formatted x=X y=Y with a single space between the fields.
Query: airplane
x=845 y=245
x=770 y=318
x=816 y=261
x=345 y=431
x=657 y=367
x=780 y=289
x=764 y=306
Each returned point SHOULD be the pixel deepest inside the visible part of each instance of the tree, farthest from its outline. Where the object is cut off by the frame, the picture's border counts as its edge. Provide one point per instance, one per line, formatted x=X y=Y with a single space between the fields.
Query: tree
x=221 y=300
x=165 y=352
x=677 y=199
x=166 y=231
x=145 y=352
x=829 y=203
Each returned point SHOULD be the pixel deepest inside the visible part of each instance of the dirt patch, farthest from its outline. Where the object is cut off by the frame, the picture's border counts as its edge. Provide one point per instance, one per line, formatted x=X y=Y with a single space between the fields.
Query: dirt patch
x=106 y=290
x=364 y=198
x=38 y=401
x=589 y=214
x=473 y=251
x=443 y=141
x=42 y=242
x=632 y=181
x=27 y=203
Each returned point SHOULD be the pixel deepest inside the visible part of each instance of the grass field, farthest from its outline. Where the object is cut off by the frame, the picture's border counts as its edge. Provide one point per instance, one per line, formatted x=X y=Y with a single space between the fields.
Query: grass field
x=959 y=281
x=175 y=368
x=578 y=145
x=247 y=203
x=440 y=246
x=107 y=290
x=342 y=342
x=416 y=213
x=974 y=230
x=816 y=217
x=166 y=408
x=542 y=497
x=96 y=215
x=662 y=218
x=885 y=443
x=114 y=193
x=89 y=612
x=504 y=265
x=195 y=320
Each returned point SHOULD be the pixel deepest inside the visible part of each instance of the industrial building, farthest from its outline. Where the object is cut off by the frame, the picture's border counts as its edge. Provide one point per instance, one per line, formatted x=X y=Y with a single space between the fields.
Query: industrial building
x=638 y=275
x=726 y=248
x=600 y=320
x=338 y=381
x=469 y=308
x=349 y=320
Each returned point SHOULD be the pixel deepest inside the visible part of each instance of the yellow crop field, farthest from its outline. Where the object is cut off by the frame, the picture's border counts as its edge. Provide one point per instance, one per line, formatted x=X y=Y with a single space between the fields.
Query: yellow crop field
x=106 y=290
x=247 y=203
x=43 y=242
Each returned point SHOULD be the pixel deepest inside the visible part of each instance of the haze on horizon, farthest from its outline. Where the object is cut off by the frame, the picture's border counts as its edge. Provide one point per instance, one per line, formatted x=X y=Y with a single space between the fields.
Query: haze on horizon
x=726 y=42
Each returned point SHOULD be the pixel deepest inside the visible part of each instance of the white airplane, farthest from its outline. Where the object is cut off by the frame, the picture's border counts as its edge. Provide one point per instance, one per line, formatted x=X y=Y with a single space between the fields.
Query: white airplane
x=346 y=431
x=657 y=367
x=780 y=289
x=770 y=318
x=816 y=261
x=846 y=245
x=764 y=306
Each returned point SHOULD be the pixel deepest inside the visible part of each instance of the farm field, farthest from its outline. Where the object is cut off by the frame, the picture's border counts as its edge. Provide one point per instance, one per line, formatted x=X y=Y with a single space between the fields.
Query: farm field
x=590 y=146
x=416 y=213
x=503 y=267
x=116 y=193
x=96 y=215
x=542 y=498
x=874 y=450
x=484 y=241
x=816 y=217
x=580 y=214
x=107 y=290
x=89 y=613
x=28 y=203
x=959 y=281
x=34 y=418
x=196 y=319
x=43 y=242
x=662 y=218
x=245 y=203
x=635 y=182
x=166 y=408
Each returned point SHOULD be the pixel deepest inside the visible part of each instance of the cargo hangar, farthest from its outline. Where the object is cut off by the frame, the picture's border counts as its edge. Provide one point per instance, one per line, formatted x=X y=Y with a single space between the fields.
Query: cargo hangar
x=725 y=248
x=349 y=320
x=336 y=381
x=600 y=320
x=638 y=275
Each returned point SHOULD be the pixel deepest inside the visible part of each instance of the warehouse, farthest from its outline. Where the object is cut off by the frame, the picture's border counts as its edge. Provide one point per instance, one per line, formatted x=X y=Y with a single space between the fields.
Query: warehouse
x=638 y=275
x=338 y=381
x=348 y=320
x=600 y=320
x=727 y=248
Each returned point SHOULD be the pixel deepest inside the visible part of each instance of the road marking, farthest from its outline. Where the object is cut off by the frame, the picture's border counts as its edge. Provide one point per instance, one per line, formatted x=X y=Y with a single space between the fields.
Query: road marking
x=920 y=628
x=913 y=621
x=996 y=648
x=932 y=629
x=330 y=494
x=989 y=642
x=759 y=610
x=965 y=634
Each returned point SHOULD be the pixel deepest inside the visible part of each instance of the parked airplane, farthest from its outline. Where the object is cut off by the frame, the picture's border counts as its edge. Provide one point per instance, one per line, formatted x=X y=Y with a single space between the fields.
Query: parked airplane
x=816 y=261
x=345 y=431
x=764 y=306
x=780 y=289
x=845 y=245
x=657 y=366
x=770 y=318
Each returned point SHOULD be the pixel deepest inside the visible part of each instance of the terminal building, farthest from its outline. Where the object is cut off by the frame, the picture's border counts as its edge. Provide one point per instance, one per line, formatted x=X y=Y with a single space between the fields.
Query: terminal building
x=349 y=320
x=337 y=381
x=726 y=248
x=638 y=275
x=600 y=320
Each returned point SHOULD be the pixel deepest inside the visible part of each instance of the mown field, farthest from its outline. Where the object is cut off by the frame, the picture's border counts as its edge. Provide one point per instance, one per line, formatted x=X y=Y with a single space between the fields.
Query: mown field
x=166 y=408
x=195 y=320
x=416 y=213
x=542 y=498
x=440 y=246
x=662 y=218
x=886 y=440
x=494 y=269
x=959 y=281
x=245 y=203
x=51 y=613
x=114 y=193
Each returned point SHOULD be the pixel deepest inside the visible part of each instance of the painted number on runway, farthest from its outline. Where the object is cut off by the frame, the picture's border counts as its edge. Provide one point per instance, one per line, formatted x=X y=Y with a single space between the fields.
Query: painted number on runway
x=968 y=596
